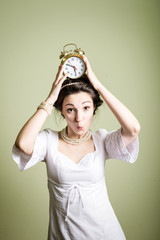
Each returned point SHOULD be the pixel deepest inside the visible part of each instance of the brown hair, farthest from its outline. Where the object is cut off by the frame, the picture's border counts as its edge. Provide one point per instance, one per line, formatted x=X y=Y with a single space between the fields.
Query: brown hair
x=81 y=84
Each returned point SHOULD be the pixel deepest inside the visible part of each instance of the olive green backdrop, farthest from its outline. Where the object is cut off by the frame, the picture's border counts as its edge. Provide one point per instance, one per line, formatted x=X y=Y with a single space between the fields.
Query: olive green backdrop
x=121 y=39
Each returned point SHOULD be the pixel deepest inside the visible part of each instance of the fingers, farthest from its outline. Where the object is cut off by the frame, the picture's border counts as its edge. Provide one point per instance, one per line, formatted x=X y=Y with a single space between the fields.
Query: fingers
x=88 y=66
x=59 y=73
x=56 y=86
x=61 y=80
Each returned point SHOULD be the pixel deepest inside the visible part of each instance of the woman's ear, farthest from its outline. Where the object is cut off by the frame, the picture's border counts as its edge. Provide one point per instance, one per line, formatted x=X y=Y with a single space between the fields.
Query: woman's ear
x=62 y=115
x=94 y=110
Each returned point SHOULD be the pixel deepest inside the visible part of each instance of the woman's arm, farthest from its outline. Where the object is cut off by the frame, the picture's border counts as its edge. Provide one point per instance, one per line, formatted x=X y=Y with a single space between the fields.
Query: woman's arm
x=129 y=124
x=27 y=135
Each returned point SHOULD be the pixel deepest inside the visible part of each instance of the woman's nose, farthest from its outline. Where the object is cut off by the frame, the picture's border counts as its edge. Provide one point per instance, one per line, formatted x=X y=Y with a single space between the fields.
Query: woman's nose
x=78 y=116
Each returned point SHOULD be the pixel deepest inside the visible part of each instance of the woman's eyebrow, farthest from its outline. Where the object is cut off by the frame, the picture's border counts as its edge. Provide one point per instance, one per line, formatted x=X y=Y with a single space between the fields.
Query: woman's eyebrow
x=69 y=104
x=87 y=102
x=73 y=104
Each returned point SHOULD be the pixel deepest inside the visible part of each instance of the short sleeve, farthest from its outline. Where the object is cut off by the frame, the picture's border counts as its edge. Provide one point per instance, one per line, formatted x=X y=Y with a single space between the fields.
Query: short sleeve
x=24 y=161
x=116 y=148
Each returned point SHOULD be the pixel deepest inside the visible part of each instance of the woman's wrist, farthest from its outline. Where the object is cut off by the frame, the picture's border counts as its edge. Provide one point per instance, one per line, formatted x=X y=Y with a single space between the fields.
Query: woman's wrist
x=100 y=88
x=95 y=82
x=50 y=101
x=48 y=107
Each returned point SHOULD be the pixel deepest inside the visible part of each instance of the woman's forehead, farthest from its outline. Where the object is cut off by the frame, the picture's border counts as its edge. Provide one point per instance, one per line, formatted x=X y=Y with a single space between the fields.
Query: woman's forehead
x=78 y=98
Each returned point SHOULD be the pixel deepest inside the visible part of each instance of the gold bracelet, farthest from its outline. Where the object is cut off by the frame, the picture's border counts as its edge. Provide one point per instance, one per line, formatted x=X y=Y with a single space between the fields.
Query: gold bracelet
x=46 y=106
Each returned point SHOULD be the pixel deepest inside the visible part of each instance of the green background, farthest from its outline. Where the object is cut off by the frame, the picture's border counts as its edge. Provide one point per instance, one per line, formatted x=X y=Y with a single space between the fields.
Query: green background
x=121 y=40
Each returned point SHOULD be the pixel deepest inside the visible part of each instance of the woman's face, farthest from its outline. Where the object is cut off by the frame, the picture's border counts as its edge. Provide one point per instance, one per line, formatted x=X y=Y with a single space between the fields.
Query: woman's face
x=78 y=111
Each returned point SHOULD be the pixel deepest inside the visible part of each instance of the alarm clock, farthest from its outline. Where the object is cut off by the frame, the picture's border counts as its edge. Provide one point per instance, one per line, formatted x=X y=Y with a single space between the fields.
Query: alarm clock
x=74 y=66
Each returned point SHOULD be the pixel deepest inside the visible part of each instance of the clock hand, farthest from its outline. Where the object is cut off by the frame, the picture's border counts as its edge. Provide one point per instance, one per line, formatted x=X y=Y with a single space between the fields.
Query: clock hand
x=75 y=71
x=75 y=68
x=69 y=65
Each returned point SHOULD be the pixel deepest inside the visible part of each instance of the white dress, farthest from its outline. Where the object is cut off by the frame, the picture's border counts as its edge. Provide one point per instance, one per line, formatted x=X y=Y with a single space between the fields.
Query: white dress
x=79 y=204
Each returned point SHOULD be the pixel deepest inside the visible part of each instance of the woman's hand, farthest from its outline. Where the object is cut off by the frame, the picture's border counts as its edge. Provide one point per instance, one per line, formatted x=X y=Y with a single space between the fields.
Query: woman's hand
x=91 y=76
x=56 y=87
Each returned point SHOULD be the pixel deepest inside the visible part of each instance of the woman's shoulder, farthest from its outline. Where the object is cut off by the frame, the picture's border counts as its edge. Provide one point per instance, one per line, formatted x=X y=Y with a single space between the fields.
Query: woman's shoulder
x=100 y=133
x=49 y=133
x=104 y=134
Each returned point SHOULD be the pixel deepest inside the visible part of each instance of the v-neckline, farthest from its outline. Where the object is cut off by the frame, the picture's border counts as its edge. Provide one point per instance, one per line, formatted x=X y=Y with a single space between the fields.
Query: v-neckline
x=70 y=160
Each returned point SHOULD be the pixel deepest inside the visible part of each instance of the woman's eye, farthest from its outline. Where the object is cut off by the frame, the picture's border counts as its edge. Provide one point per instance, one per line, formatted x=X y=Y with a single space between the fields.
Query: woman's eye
x=86 y=108
x=69 y=110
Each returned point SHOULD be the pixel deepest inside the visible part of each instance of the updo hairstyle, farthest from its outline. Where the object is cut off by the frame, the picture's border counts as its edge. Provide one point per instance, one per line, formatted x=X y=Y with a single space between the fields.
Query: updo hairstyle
x=81 y=84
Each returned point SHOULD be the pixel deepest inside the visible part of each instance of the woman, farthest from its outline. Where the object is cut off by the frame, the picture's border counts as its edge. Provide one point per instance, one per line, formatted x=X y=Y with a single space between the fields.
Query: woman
x=75 y=157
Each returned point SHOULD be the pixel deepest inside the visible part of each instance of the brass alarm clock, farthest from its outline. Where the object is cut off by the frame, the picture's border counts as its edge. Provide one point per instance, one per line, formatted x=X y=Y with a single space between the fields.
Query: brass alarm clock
x=73 y=62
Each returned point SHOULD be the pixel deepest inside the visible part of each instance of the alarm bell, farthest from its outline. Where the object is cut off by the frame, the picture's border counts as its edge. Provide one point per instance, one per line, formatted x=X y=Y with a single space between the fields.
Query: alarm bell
x=79 y=51
x=70 y=52
x=63 y=54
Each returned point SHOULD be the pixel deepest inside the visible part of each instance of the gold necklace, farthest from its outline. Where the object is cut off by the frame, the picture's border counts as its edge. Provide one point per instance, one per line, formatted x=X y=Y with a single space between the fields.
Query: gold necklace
x=74 y=141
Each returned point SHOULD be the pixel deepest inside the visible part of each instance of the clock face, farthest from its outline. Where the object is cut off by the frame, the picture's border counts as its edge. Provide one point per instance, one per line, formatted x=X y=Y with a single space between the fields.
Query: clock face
x=75 y=67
